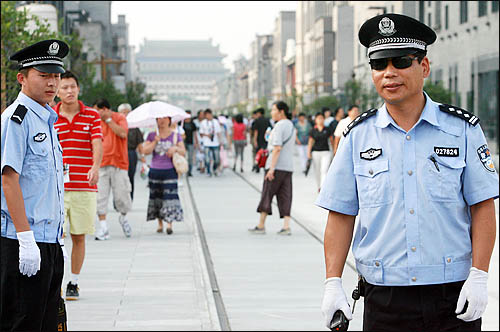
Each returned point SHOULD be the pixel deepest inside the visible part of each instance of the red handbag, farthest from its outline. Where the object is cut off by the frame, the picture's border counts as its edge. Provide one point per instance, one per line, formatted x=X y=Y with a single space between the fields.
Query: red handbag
x=261 y=157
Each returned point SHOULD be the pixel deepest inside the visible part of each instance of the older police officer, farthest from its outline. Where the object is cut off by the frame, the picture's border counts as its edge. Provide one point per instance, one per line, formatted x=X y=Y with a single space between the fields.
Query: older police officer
x=421 y=177
x=32 y=259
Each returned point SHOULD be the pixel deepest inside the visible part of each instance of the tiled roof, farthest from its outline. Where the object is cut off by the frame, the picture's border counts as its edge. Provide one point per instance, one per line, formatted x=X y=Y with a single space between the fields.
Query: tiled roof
x=179 y=48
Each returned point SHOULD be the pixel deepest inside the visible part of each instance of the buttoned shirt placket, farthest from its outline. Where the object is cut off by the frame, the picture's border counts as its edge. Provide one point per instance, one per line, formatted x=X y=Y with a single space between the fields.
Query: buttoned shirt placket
x=410 y=201
x=59 y=175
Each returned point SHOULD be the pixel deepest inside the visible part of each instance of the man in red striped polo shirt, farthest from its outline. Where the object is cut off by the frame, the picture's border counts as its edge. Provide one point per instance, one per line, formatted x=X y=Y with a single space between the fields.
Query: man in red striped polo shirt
x=79 y=131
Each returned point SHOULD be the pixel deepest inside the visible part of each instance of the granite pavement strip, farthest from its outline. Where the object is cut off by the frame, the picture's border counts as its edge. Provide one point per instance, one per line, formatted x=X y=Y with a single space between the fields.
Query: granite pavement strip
x=268 y=282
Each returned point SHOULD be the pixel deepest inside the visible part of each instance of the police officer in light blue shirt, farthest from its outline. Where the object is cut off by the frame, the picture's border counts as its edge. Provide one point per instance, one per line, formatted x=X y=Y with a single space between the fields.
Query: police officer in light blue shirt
x=420 y=176
x=32 y=210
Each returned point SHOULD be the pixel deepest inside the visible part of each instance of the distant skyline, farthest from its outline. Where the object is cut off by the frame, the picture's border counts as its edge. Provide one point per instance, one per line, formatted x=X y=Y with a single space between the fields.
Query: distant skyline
x=231 y=24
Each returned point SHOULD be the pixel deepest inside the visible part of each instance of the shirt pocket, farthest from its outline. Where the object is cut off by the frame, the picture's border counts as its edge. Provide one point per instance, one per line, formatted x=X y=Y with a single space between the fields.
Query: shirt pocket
x=443 y=178
x=36 y=164
x=373 y=183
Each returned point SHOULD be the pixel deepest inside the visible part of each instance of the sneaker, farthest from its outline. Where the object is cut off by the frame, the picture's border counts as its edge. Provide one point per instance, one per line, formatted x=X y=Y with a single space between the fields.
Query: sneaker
x=72 y=292
x=257 y=230
x=102 y=234
x=127 y=230
x=285 y=231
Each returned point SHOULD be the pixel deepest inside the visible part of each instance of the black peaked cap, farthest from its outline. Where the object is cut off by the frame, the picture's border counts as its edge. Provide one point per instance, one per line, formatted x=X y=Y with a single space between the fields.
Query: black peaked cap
x=45 y=56
x=392 y=35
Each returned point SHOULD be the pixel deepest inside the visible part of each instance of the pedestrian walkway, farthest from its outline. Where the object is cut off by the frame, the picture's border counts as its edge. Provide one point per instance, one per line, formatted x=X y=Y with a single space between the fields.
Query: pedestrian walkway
x=267 y=282
x=156 y=281
x=314 y=218
x=147 y=282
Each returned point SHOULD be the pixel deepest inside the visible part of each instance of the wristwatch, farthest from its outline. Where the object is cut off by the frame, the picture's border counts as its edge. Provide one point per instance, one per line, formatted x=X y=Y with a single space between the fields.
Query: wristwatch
x=108 y=120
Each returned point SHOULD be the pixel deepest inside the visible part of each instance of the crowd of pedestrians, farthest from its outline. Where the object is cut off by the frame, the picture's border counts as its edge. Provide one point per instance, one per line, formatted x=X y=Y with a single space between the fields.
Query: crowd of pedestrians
x=392 y=170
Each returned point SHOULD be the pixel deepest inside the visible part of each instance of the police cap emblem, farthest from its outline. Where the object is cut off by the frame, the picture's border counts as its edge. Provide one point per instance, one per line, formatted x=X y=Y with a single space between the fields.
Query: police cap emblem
x=386 y=27
x=485 y=157
x=53 y=48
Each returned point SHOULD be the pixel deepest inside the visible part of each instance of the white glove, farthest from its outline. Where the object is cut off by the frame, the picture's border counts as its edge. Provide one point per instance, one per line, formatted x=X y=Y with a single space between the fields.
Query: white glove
x=63 y=248
x=334 y=299
x=475 y=291
x=29 y=254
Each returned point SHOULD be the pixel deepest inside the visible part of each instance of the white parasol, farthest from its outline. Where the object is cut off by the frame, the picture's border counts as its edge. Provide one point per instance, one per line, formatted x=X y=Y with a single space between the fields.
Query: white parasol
x=146 y=114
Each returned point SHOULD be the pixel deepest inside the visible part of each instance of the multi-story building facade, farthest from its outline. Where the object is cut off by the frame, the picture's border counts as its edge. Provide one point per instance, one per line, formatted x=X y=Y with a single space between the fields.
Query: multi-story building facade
x=259 y=73
x=284 y=29
x=465 y=57
x=314 y=49
x=181 y=72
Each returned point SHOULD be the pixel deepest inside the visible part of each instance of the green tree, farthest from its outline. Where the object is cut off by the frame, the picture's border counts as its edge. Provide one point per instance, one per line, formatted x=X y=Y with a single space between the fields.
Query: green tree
x=353 y=90
x=316 y=106
x=16 y=36
x=136 y=95
x=103 y=89
x=438 y=92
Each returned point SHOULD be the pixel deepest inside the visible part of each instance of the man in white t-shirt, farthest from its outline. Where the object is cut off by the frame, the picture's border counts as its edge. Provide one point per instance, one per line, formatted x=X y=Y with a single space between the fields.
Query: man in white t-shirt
x=210 y=133
x=352 y=113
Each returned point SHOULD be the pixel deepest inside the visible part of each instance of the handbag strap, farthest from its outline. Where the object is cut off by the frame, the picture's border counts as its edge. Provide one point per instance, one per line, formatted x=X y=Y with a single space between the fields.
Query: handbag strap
x=293 y=129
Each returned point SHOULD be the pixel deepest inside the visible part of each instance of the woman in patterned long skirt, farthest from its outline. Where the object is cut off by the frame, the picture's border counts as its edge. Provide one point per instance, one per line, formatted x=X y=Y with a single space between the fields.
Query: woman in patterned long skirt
x=164 y=203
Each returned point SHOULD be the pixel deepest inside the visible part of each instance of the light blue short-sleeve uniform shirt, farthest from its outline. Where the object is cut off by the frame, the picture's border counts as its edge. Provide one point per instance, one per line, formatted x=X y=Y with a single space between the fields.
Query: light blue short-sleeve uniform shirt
x=413 y=191
x=30 y=146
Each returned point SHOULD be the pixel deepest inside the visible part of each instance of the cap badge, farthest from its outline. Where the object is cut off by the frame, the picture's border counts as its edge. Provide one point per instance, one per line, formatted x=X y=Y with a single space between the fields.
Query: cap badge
x=386 y=27
x=53 y=48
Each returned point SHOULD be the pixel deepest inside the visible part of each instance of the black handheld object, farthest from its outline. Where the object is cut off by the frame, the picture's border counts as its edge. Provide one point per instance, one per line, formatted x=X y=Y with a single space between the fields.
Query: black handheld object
x=308 y=166
x=339 y=322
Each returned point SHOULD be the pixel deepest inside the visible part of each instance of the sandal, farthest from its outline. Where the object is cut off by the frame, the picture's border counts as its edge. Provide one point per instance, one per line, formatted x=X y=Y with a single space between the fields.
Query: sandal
x=159 y=230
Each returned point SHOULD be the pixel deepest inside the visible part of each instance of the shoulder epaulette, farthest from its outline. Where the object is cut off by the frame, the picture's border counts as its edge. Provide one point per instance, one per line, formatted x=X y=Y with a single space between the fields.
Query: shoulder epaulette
x=362 y=117
x=461 y=113
x=19 y=114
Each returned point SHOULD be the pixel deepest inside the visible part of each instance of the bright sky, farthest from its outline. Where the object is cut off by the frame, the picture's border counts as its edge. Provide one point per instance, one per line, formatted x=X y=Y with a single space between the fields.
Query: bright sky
x=231 y=24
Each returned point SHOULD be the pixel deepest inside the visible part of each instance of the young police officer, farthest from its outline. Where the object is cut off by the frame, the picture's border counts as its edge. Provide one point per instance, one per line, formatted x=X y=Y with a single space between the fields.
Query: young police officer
x=32 y=260
x=421 y=177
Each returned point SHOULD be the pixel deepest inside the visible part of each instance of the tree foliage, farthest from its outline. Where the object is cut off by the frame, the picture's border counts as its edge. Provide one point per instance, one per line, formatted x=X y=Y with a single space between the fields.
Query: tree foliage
x=356 y=93
x=16 y=36
x=438 y=92
x=316 y=106
x=135 y=94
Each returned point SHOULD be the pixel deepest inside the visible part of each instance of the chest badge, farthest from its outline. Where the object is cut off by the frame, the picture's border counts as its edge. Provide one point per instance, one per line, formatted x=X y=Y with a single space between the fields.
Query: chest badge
x=446 y=152
x=40 y=137
x=485 y=157
x=371 y=154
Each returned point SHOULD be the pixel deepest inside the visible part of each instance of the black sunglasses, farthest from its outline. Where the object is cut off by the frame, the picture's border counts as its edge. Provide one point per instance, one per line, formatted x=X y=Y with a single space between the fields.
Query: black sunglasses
x=400 y=62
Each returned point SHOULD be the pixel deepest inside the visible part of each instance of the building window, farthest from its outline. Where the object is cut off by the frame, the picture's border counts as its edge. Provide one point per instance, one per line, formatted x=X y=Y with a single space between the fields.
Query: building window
x=446 y=17
x=429 y=19
x=482 y=7
x=438 y=15
x=421 y=11
x=494 y=6
x=463 y=11
x=488 y=107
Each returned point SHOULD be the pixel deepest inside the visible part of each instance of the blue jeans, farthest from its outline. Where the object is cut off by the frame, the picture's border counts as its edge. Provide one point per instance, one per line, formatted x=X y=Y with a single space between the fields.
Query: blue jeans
x=212 y=153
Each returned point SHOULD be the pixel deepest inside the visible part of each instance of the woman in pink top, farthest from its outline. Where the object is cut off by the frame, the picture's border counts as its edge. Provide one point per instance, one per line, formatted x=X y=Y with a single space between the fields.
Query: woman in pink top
x=239 y=140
